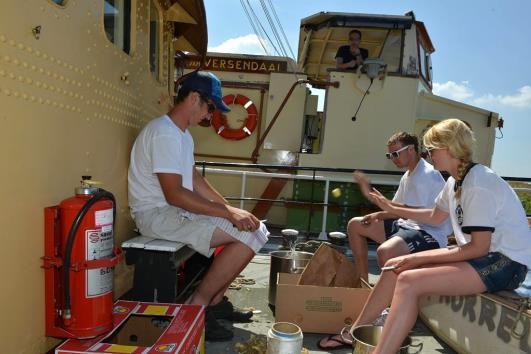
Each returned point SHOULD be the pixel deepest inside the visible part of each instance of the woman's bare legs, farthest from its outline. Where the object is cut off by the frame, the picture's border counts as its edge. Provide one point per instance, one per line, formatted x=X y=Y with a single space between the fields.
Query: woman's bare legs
x=447 y=279
x=379 y=298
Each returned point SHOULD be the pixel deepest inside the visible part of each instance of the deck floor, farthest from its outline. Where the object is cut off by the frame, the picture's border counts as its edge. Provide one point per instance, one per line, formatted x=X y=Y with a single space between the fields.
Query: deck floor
x=256 y=296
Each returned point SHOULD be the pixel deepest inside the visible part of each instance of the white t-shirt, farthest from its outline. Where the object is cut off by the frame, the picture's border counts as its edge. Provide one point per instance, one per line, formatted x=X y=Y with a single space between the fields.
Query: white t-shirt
x=161 y=147
x=419 y=189
x=488 y=203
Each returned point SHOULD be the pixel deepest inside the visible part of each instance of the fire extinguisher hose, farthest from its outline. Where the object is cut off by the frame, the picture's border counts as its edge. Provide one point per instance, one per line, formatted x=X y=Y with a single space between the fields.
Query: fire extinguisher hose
x=101 y=194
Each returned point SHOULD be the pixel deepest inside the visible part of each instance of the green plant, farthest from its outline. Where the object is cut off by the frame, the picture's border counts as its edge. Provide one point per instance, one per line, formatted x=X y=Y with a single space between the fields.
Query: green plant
x=525 y=196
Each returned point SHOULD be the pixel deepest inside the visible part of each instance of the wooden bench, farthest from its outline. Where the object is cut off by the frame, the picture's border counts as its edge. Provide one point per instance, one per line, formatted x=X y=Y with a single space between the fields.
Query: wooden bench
x=157 y=263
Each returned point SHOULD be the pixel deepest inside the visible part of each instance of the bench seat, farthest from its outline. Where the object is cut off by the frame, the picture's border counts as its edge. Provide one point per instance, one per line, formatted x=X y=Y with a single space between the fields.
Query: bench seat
x=157 y=263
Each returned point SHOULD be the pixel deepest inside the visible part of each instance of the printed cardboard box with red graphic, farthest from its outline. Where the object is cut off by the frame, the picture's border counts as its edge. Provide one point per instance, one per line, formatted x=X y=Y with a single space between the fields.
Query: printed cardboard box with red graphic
x=143 y=327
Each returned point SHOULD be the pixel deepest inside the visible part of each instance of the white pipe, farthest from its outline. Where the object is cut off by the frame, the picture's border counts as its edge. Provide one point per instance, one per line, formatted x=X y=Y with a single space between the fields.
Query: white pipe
x=327 y=179
x=391 y=181
x=322 y=235
x=242 y=192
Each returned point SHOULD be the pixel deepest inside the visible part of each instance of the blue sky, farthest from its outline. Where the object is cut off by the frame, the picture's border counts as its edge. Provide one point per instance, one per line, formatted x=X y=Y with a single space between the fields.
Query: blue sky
x=483 y=53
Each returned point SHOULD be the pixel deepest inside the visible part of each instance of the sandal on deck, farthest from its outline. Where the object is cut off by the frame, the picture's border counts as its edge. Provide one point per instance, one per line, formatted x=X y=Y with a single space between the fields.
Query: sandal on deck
x=330 y=338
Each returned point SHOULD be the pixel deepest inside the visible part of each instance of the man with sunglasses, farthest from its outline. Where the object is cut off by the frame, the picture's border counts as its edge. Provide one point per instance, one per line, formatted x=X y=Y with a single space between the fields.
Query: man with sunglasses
x=171 y=200
x=351 y=56
x=418 y=188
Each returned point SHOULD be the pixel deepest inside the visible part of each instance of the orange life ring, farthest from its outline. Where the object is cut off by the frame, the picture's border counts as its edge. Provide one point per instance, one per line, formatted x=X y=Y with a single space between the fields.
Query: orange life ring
x=219 y=120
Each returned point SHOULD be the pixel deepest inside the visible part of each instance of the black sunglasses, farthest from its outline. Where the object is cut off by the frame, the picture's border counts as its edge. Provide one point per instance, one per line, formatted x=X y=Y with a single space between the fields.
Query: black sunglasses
x=211 y=106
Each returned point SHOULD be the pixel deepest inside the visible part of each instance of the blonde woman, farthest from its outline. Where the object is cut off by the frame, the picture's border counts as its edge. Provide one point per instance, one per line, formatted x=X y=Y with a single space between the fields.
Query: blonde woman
x=489 y=223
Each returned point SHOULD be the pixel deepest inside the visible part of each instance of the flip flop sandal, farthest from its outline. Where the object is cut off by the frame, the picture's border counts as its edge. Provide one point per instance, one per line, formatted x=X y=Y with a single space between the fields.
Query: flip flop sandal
x=330 y=338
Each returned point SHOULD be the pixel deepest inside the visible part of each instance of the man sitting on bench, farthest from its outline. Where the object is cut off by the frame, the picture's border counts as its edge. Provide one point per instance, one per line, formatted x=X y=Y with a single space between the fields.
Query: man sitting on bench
x=170 y=200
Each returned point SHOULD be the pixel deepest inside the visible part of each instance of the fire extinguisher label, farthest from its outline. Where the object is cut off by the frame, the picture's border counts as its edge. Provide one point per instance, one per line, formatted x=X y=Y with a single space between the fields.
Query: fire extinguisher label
x=99 y=245
x=103 y=217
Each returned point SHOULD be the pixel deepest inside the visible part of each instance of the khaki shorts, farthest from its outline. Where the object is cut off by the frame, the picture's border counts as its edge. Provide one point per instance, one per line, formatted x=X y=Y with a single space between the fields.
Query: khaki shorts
x=194 y=230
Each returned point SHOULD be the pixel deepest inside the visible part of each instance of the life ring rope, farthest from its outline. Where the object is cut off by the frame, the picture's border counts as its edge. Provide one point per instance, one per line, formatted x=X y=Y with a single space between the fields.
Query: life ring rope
x=219 y=120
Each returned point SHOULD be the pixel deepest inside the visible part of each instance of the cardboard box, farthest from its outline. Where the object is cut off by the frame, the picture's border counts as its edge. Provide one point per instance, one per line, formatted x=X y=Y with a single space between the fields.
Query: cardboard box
x=143 y=327
x=317 y=309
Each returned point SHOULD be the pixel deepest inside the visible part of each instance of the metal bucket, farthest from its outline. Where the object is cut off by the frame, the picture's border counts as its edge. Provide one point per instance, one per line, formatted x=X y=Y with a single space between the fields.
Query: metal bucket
x=366 y=338
x=285 y=262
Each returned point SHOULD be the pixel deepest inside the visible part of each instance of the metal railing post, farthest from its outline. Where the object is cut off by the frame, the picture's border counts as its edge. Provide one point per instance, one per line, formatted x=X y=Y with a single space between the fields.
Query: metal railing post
x=322 y=235
x=310 y=215
x=242 y=191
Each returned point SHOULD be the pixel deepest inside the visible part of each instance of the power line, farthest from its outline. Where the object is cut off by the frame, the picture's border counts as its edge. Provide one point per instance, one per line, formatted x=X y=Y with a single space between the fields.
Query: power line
x=281 y=28
x=277 y=36
x=254 y=28
x=262 y=33
x=257 y=20
x=273 y=29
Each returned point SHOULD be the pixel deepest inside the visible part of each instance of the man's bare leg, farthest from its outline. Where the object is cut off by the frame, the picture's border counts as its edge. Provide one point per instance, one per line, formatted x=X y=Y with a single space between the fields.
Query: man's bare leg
x=224 y=269
x=219 y=296
x=357 y=235
x=394 y=247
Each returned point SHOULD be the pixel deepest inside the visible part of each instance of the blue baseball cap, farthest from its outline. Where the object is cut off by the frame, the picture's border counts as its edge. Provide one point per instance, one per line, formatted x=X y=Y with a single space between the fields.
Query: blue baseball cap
x=207 y=84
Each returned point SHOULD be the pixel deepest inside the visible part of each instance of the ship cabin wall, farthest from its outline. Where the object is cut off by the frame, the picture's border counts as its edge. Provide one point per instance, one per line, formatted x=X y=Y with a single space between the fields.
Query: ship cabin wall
x=432 y=108
x=362 y=143
x=394 y=103
x=72 y=104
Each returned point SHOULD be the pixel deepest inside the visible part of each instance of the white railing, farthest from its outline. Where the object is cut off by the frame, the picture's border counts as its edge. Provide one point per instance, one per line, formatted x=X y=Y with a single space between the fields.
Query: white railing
x=390 y=180
x=375 y=179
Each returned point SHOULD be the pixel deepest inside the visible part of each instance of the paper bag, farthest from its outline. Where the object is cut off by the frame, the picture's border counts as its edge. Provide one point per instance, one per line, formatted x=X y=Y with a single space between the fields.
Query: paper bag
x=329 y=267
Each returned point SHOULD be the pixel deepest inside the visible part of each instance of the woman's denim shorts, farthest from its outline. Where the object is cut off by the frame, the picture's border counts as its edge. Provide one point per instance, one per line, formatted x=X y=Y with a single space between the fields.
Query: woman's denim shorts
x=499 y=272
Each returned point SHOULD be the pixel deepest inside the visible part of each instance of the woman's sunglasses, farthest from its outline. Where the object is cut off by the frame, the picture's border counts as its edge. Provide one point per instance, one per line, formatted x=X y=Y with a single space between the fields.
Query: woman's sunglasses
x=395 y=154
x=430 y=149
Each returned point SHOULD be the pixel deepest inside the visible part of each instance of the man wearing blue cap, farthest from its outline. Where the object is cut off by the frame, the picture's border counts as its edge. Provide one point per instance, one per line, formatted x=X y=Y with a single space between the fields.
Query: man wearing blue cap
x=169 y=199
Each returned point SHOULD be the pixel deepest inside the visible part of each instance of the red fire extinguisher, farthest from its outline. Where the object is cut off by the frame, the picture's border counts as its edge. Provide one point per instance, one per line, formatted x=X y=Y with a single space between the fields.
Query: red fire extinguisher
x=79 y=257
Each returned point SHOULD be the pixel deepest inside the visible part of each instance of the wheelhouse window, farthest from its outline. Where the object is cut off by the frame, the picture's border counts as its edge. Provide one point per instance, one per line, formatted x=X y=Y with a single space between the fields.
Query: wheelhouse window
x=313 y=121
x=385 y=44
x=425 y=49
x=429 y=67
x=422 y=56
x=392 y=50
x=154 y=40
x=425 y=63
x=117 y=23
